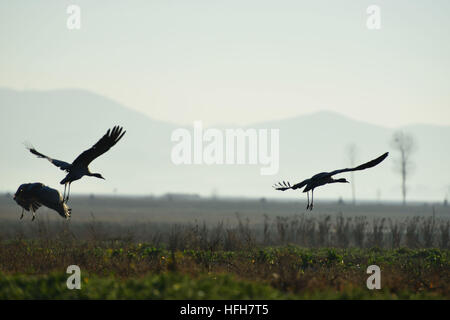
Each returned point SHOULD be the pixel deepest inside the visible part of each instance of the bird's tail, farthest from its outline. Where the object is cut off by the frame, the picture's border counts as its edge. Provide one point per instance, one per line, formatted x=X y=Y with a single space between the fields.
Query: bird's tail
x=282 y=186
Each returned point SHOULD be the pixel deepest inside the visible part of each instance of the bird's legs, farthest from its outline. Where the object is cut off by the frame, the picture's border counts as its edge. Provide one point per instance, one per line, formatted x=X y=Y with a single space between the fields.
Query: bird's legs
x=307 y=206
x=34 y=215
x=22 y=213
x=64 y=194
x=312 y=200
x=68 y=193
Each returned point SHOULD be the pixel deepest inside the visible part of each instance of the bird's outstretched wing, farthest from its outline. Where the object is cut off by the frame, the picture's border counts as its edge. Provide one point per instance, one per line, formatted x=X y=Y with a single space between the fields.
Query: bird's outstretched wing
x=283 y=186
x=104 y=144
x=60 y=164
x=363 y=166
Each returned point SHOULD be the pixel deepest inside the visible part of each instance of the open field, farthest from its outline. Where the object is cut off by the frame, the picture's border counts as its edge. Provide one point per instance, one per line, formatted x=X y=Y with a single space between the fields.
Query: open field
x=162 y=248
x=182 y=209
x=35 y=270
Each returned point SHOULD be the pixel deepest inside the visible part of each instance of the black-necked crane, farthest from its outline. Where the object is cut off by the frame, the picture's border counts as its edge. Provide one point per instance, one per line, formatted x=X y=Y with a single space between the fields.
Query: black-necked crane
x=323 y=178
x=80 y=166
x=31 y=196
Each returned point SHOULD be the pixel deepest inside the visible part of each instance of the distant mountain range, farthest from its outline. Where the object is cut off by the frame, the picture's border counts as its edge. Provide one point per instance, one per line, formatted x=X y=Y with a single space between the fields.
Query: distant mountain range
x=63 y=123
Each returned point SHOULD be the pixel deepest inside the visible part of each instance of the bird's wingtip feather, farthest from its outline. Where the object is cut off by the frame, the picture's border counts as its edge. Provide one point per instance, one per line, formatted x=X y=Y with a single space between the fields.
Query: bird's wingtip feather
x=28 y=145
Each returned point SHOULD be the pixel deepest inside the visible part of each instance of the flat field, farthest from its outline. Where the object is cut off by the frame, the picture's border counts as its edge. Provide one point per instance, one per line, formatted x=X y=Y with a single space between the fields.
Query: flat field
x=170 y=248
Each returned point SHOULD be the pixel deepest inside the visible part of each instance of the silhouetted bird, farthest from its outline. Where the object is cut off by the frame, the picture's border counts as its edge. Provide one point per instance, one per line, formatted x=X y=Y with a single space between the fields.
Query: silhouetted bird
x=323 y=178
x=31 y=196
x=79 y=167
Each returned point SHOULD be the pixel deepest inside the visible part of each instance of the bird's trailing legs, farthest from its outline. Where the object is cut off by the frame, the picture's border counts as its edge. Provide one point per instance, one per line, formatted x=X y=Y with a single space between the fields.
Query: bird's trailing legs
x=310 y=204
x=307 y=206
x=64 y=194
x=22 y=214
x=68 y=193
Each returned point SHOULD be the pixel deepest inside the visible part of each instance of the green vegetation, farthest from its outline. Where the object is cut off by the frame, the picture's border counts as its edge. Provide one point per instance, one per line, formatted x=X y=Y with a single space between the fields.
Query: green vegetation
x=162 y=286
x=117 y=269
x=258 y=256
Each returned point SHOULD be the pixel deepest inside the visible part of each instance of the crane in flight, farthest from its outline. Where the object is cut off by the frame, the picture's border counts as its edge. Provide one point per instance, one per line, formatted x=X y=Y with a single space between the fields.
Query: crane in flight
x=79 y=167
x=31 y=196
x=323 y=178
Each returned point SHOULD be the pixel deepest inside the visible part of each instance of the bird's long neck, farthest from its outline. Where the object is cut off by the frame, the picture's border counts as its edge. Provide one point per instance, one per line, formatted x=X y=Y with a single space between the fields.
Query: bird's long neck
x=341 y=180
x=97 y=175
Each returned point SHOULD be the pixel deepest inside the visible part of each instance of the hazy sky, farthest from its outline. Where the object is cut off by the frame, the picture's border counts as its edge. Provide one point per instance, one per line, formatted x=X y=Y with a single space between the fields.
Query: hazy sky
x=238 y=61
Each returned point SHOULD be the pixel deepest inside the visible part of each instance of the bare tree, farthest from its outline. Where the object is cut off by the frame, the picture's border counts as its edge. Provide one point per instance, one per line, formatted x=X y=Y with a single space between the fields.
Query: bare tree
x=406 y=145
x=352 y=152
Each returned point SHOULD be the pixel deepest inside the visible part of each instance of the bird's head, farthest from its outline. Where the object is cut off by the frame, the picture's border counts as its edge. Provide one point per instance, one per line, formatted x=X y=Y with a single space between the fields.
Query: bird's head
x=19 y=192
x=98 y=175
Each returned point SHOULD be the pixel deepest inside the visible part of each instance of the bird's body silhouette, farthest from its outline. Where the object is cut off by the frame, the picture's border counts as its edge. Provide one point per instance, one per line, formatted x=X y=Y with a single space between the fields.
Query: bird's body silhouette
x=323 y=178
x=31 y=196
x=80 y=166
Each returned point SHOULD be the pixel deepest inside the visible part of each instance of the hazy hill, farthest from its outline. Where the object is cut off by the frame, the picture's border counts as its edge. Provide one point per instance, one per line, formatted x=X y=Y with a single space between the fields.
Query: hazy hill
x=62 y=123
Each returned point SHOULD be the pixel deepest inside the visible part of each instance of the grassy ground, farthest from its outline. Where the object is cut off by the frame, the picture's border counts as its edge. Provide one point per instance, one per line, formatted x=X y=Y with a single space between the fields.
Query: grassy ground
x=212 y=249
x=35 y=269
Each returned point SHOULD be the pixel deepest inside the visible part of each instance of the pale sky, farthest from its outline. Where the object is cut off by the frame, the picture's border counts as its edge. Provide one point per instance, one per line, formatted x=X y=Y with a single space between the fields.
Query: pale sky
x=238 y=61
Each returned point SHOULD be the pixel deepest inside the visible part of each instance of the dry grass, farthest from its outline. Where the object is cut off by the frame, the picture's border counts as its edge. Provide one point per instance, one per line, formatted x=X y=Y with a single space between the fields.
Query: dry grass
x=299 y=255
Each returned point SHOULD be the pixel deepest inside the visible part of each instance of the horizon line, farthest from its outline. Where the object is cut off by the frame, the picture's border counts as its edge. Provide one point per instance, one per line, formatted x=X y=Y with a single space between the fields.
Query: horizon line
x=219 y=124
